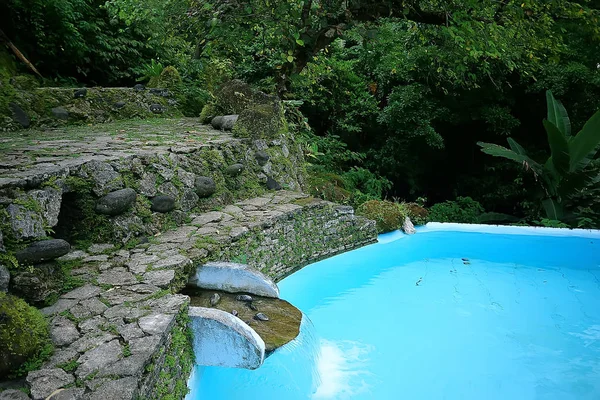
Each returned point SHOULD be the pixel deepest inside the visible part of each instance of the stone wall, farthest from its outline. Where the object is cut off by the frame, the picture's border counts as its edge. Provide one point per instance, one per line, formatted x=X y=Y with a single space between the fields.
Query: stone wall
x=31 y=107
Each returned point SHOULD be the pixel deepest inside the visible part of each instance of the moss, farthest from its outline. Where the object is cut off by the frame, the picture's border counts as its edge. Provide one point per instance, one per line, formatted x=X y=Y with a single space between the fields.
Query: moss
x=328 y=186
x=24 y=336
x=388 y=215
x=209 y=111
x=261 y=121
x=169 y=78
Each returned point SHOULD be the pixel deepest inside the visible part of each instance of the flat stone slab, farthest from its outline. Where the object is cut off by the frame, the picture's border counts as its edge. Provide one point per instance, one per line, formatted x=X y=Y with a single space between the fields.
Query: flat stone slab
x=284 y=321
x=222 y=340
x=233 y=278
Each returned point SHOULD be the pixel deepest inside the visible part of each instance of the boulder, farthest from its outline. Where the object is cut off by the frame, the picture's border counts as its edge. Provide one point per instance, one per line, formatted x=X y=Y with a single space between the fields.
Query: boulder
x=157 y=109
x=44 y=250
x=45 y=381
x=4 y=278
x=272 y=184
x=25 y=223
x=261 y=121
x=233 y=278
x=60 y=113
x=120 y=104
x=205 y=186
x=49 y=200
x=117 y=202
x=79 y=93
x=139 y=87
x=37 y=284
x=163 y=204
x=262 y=157
x=228 y=122
x=217 y=122
x=12 y=394
x=223 y=340
x=408 y=227
x=234 y=170
x=19 y=115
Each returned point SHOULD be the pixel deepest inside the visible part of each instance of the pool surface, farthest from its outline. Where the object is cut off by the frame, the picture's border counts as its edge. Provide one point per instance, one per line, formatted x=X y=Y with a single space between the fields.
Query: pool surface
x=407 y=318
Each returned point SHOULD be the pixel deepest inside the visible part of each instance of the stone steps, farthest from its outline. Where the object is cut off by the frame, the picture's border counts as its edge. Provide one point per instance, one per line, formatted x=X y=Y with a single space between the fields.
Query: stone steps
x=115 y=335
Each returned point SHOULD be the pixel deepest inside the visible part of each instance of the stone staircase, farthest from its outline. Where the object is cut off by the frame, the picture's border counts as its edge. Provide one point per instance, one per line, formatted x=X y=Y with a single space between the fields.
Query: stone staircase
x=179 y=194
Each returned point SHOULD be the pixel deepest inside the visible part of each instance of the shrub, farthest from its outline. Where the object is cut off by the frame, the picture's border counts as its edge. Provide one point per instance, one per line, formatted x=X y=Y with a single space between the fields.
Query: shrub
x=418 y=215
x=389 y=216
x=463 y=209
x=169 y=78
x=24 y=336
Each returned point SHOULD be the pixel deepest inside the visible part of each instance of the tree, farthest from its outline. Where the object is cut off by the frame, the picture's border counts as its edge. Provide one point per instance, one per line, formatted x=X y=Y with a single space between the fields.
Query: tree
x=564 y=173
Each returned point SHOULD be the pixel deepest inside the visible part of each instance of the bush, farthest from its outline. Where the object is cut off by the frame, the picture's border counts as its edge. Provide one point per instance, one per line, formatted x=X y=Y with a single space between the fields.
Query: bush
x=389 y=216
x=24 y=336
x=463 y=209
x=418 y=215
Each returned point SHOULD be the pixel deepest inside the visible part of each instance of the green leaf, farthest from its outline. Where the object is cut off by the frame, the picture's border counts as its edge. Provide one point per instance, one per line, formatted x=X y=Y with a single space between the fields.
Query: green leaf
x=516 y=147
x=553 y=208
x=300 y=42
x=290 y=58
x=558 y=115
x=559 y=148
x=583 y=147
x=499 y=151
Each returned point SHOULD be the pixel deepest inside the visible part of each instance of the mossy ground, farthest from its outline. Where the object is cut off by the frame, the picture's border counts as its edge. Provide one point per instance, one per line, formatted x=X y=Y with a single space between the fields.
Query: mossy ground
x=284 y=319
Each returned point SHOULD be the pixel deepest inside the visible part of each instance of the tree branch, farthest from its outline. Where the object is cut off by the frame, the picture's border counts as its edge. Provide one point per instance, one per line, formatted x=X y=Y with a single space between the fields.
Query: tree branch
x=19 y=55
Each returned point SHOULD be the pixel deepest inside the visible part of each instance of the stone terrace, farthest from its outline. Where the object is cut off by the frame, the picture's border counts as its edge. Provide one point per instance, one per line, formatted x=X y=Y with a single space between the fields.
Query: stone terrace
x=112 y=328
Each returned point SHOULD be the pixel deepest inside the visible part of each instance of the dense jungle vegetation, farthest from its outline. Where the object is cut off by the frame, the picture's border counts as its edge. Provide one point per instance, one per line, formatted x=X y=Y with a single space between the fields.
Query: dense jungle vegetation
x=390 y=98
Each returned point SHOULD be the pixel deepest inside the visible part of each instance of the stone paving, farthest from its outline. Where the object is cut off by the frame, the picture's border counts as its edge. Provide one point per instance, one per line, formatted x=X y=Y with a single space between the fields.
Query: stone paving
x=108 y=331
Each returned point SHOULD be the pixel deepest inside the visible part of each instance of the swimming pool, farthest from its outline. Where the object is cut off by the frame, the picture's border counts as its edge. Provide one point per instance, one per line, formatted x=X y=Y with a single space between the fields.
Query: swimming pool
x=453 y=312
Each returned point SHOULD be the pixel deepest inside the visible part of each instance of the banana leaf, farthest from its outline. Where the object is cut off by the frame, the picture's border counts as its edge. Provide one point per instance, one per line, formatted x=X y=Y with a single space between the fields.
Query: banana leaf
x=557 y=114
x=558 y=147
x=584 y=146
x=554 y=209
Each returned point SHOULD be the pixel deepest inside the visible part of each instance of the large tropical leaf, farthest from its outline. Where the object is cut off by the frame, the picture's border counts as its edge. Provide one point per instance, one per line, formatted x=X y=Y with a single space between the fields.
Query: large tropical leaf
x=516 y=147
x=500 y=151
x=559 y=148
x=554 y=210
x=583 y=147
x=558 y=115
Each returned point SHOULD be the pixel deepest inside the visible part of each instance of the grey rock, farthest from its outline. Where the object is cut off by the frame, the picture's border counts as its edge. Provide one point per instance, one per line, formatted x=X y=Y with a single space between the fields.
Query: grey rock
x=148 y=184
x=99 y=358
x=205 y=186
x=88 y=308
x=130 y=331
x=252 y=306
x=214 y=299
x=228 y=122
x=45 y=381
x=105 y=178
x=2 y=248
x=159 y=278
x=139 y=87
x=156 y=324
x=159 y=92
x=82 y=293
x=187 y=178
x=99 y=248
x=169 y=189
x=120 y=389
x=233 y=278
x=91 y=341
x=234 y=313
x=188 y=200
x=176 y=261
x=217 y=122
x=262 y=157
x=49 y=201
x=79 y=93
x=165 y=172
x=129 y=314
x=234 y=170
x=13 y=395
x=60 y=113
x=4 y=278
x=25 y=223
x=272 y=184
x=91 y=324
x=58 y=307
x=94 y=259
x=19 y=115
x=157 y=109
x=74 y=255
x=117 y=277
x=408 y=227
x=261 y=317
x=43 y=250
x=163 y=204
x=63 y=332
x=73 y=393
x=244 y=297
x=120 y=104
x=117 y=202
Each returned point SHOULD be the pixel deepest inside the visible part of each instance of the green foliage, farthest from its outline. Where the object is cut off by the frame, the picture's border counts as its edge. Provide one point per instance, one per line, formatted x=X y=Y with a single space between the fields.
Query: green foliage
x=24 y=335
x=463 y=210
x=388 y=215
x=564 y=173
x=552 y=223
x=151 y=72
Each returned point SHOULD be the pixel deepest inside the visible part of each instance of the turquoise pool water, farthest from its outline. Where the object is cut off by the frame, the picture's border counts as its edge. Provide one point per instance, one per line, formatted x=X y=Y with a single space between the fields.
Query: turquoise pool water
x=407 y=318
